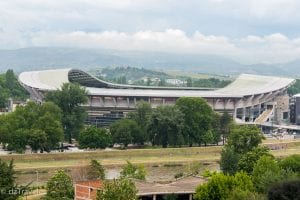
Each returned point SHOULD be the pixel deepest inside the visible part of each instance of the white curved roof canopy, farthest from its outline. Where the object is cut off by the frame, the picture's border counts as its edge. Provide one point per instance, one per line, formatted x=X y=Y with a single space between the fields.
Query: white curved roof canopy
x=244 y=85
x=45 y=80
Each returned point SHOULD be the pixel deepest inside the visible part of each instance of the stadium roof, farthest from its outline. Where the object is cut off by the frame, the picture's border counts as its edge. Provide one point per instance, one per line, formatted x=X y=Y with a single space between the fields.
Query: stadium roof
x=244 y=85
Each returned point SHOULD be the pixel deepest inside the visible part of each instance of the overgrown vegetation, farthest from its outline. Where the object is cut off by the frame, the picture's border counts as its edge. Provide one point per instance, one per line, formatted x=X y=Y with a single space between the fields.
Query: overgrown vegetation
x=133 y=171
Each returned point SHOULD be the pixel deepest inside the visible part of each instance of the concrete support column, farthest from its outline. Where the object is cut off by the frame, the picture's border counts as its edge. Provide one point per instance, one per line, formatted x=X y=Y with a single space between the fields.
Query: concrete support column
x=215 y=103
x=128 y=102
x=115 y=101
x=101 y=101
x=244 y=113
x=191 y=197
x=134 y=100
x=251 y=113
x=163 y=99
x=154 y=197
x=90 y=101
x=234 y=110
x=234 y=113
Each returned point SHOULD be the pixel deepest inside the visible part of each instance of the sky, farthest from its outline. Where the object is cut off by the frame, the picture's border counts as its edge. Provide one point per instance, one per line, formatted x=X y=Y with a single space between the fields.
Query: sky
x=248 y=31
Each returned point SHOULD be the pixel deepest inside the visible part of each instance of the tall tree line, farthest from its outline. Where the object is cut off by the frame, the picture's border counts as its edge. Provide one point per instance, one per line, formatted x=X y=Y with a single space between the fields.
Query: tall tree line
x=191 y=121
x=43 y=126
x=38 y=126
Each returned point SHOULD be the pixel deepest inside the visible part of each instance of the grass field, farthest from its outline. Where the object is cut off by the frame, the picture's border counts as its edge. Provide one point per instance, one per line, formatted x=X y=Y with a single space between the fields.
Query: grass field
x=144 y=156
x=157 y=161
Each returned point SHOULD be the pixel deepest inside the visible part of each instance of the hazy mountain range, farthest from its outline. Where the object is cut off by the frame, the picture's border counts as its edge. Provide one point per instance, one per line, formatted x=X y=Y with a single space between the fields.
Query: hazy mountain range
x=38 y=58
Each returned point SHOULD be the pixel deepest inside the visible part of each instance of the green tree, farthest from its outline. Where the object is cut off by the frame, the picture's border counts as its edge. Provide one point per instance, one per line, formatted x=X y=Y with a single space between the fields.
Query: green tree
x=295 y=88
x=4 y=129
x=133 y=171
x=53 y=129
x=37 y=139
x=165 y=127
x=125 y=131
x=265 y=173
x=207 y=138
x=10 y=79
x=24 y=126
x=142 y=116
x=241 y=140
x=225 y=124
x=189 y=82
x=69 y=98
x=4 y=95
x=244 y=138
x=249 y=159
x=220 y=186
x=60 y=186
x=118 y=189
x=197 y=115
x=16 y=91
x=229 y=160
x=51 y=108
x=10 y=88
x=18 y=140
x=216 y=127
x=95 y=171
x=93 y=137
x=291 y=163
x=8 y=182
x=243 y=182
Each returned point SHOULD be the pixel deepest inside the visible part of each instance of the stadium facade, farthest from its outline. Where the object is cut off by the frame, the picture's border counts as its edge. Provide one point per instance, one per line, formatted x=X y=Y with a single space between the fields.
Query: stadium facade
x=250 y=98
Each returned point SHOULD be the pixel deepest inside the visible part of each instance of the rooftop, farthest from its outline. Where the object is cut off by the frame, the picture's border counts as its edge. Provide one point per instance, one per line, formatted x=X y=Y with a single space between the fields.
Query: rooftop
x=185 y=185
x=244 y=85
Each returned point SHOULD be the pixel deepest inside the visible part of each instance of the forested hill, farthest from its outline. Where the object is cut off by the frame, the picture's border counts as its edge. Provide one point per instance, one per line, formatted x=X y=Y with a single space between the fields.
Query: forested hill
x=141 y=76
x=132 y=73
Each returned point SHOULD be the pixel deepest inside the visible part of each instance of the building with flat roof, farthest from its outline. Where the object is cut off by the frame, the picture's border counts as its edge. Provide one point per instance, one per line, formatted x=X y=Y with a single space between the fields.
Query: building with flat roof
x=250 y=98
x=184 y=188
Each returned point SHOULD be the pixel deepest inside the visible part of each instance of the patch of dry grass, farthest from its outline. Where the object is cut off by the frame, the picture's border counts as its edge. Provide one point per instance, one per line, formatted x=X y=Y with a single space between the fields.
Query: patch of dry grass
x=143 y=156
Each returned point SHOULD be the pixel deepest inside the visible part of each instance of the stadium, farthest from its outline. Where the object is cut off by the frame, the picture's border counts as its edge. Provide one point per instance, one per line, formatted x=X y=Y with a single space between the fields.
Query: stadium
x=250 y=98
